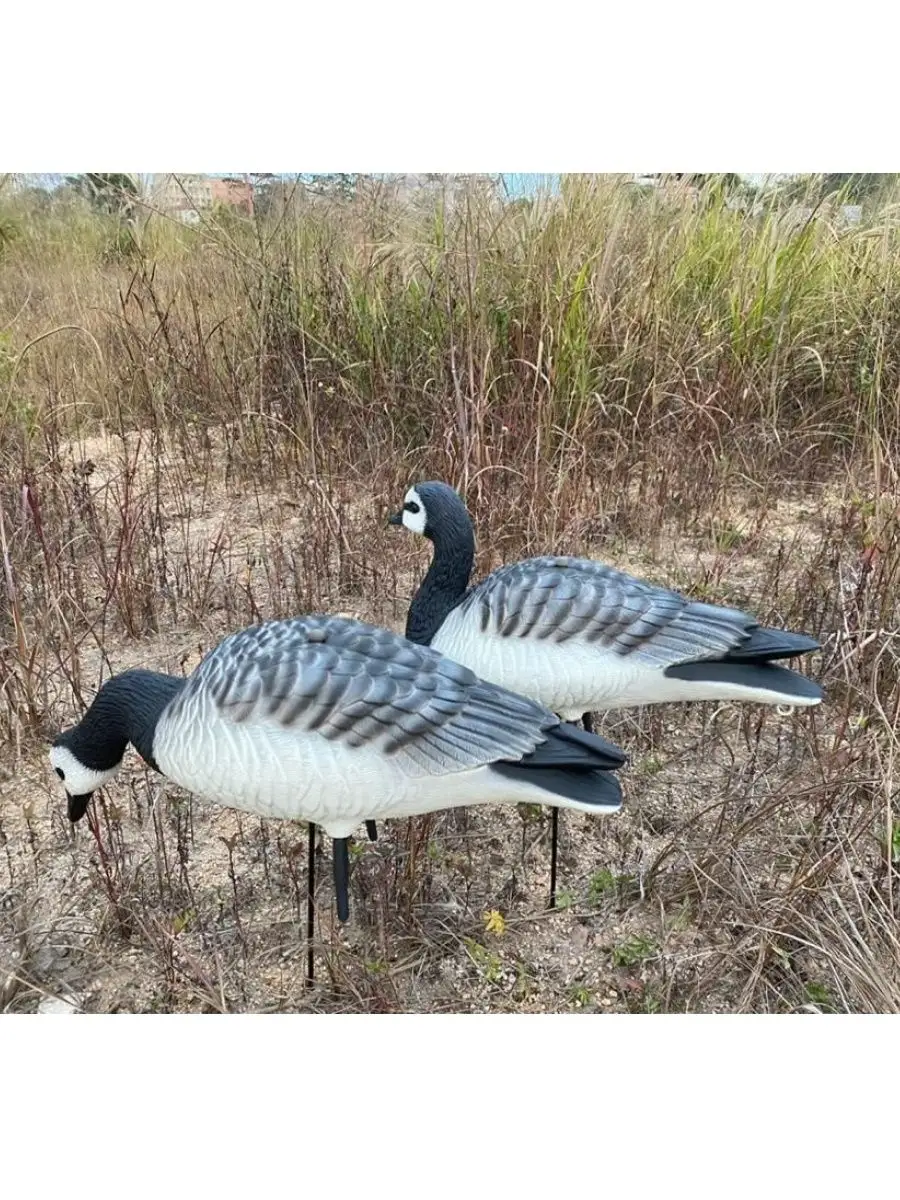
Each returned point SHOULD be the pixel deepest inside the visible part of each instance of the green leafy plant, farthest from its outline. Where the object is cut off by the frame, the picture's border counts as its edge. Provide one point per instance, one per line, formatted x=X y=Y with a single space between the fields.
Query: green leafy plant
x=488 y=963
x=580 y=996
x=605 y=883
x=183 y=920
x=633 y=951
x=727 y=536
x=650 y=765
x=601 y=883
x=818 y=994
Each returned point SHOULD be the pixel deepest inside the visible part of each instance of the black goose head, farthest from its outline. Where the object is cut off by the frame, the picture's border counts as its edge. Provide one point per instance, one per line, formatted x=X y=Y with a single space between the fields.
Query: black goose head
x=126 y=709
x=434 y=510
x=85 y=762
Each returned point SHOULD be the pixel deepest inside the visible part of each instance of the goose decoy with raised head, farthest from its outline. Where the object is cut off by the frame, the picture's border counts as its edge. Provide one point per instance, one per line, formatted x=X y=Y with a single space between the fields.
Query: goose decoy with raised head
x=582 y=637
x=335 y=722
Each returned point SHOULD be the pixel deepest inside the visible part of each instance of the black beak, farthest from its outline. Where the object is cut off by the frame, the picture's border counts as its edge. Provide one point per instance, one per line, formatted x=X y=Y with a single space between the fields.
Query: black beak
x=396 y=518
x=77 y=806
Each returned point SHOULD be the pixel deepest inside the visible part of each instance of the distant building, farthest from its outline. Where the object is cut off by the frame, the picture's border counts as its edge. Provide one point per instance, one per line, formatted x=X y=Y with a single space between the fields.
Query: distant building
x=841 y=216
x=451 y=187
x=186 y=197
x=673 y=185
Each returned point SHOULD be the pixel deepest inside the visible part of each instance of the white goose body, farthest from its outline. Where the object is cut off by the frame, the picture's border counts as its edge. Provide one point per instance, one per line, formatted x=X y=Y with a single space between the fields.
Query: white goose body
x=574 y=672
x=579 y=636
x=272 y=772
x=337 y=722
x=571 y=678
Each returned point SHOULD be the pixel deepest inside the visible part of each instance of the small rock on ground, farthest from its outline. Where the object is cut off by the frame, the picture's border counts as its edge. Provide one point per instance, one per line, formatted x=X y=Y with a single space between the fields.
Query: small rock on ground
x=58 y=1004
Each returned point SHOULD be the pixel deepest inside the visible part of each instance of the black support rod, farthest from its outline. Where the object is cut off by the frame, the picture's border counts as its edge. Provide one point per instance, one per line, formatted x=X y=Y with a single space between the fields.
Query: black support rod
x=588 y=724
x=341 y=878
x=310 y=904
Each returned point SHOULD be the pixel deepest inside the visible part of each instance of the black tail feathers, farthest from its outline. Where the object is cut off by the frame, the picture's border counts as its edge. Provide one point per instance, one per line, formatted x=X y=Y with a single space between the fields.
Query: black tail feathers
x=764 y=645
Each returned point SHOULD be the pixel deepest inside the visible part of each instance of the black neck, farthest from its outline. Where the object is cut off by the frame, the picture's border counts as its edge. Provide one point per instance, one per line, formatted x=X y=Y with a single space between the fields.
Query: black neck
x=126 y=709
x=447 y=579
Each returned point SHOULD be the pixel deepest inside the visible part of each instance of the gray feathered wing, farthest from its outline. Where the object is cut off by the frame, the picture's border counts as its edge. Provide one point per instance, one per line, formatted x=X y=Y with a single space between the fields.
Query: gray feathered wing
x=365 y=686
x=560 y=598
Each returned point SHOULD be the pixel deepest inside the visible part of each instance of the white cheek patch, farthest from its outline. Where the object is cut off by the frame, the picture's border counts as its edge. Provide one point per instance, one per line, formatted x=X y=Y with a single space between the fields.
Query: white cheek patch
x=414 y=521
x=79 y=780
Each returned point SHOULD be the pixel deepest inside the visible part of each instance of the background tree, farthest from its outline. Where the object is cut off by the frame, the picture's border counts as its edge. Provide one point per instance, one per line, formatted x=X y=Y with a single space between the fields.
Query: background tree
x=846 y=188
x=108 y=192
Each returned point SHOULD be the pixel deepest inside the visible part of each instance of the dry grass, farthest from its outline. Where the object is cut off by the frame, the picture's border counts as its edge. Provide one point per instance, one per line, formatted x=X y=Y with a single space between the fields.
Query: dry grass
x=203 y=428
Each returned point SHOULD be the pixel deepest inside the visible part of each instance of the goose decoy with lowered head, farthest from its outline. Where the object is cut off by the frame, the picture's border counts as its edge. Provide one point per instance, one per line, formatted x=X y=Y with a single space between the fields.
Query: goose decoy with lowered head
x=582 y=637
x=335 y=722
